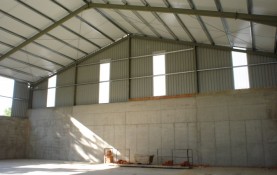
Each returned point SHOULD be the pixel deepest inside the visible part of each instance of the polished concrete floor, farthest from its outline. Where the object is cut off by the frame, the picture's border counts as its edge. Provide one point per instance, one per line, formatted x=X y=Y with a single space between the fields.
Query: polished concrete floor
x=51 y=167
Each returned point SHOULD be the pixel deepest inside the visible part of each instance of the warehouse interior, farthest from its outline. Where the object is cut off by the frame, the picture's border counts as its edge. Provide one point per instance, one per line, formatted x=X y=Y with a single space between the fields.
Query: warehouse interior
x=190 y=83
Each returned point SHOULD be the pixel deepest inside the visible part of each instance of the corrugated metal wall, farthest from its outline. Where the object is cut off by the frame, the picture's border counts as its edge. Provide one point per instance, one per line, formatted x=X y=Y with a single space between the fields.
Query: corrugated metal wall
x=119 y=89
x=263 y=75
x=88 y=75
x=185 y=82
x=21 y=99
x=40 y=95
x=214 y=73
x=65 y=90
x=182 y=61
x=141 y=87
x=212 y=76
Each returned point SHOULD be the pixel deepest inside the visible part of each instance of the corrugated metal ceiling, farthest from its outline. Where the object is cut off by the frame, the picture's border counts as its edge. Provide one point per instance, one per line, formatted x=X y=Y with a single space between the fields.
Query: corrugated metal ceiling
x=30 y=59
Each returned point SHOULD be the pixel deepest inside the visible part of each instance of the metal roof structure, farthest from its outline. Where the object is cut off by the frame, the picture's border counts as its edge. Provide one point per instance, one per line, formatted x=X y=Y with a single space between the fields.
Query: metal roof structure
x=40 y=38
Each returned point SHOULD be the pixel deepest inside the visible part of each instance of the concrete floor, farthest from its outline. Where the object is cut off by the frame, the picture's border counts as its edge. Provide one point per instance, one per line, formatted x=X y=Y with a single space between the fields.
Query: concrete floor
x=34 y=167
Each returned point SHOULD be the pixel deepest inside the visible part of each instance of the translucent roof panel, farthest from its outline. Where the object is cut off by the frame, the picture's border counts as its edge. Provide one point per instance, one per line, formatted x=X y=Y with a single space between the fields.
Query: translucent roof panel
x=48 y=8
x=216 y=30
x=46 y=54
x=85 y=30
x=72 y=39
x=240 y=31
x=35 y=60
x=264 y=37
x=156 y=24
x=205 y=5
x=264 y=7
x=16 y=26
x=102 y=23
x=195 y=28
x=59 y=47
x=4 y=48
x=29 y=16
x=138 y=23
x=234 y=6
x=174 y=25
x=71 y=4
x=120 y=21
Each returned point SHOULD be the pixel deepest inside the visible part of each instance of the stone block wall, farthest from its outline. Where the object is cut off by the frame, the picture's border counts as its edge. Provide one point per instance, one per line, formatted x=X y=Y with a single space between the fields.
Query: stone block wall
x=237 y=128
x=13 y=137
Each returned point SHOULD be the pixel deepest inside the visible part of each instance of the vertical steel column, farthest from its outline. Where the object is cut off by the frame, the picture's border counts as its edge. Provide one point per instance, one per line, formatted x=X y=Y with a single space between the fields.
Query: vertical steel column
x=196 y=69
x=129 y=64
x=30 y=100
x=75 y=85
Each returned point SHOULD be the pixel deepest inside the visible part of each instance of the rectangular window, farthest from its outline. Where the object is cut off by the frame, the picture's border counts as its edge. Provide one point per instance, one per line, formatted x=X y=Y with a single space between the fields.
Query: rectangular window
x=159 y=87
x=6 y=96
x=240 y=70
x=104 y=85
x=51 y=92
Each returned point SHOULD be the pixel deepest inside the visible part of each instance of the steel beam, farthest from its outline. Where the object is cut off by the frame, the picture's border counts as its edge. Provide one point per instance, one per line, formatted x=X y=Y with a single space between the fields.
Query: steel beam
x=83 y=20
x=267 y=54
x=27 y=52
x=275 y=44
x=144 y=21
x=43 y=46
x=54 y=21
x=147 y=24
x=112 y=22
x=160 y=20
x=129 y=21
x=16 y=70
x=225 y=24
x=108 y=18
x=29 y=64
x=201 y=22
x=39 y=30
x=250 y=9
x=184 y=27
x=47 y=29
x=263 y=19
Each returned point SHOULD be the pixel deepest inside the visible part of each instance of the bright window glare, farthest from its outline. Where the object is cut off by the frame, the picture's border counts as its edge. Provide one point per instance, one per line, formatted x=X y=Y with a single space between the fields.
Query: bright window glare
x=6 y=90
x=51 y=93
x=158 y=65
x=241 y=77
x=159 y=81
x=105 y=72
x=104 y=87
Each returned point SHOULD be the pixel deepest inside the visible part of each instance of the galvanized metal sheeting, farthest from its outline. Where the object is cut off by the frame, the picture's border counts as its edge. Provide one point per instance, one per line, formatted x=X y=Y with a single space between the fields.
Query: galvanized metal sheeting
x=187 y=71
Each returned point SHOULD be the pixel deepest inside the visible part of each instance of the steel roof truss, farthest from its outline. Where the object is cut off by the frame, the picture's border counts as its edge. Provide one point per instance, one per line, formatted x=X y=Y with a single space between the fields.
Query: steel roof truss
x=199 y=19
x=161 y=21
x=225 y=24
x=63 y=26
x=83 y=20
x=263 y=19
x=44 y=31
x=250 y=9
x=184 y=27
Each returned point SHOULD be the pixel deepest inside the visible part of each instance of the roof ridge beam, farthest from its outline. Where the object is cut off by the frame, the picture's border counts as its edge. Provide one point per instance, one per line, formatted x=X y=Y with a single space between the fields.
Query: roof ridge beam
x=263 y=19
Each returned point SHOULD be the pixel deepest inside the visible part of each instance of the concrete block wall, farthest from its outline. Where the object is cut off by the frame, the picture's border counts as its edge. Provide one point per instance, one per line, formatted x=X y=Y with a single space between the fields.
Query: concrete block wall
x=237 y=128
x=13 y=137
